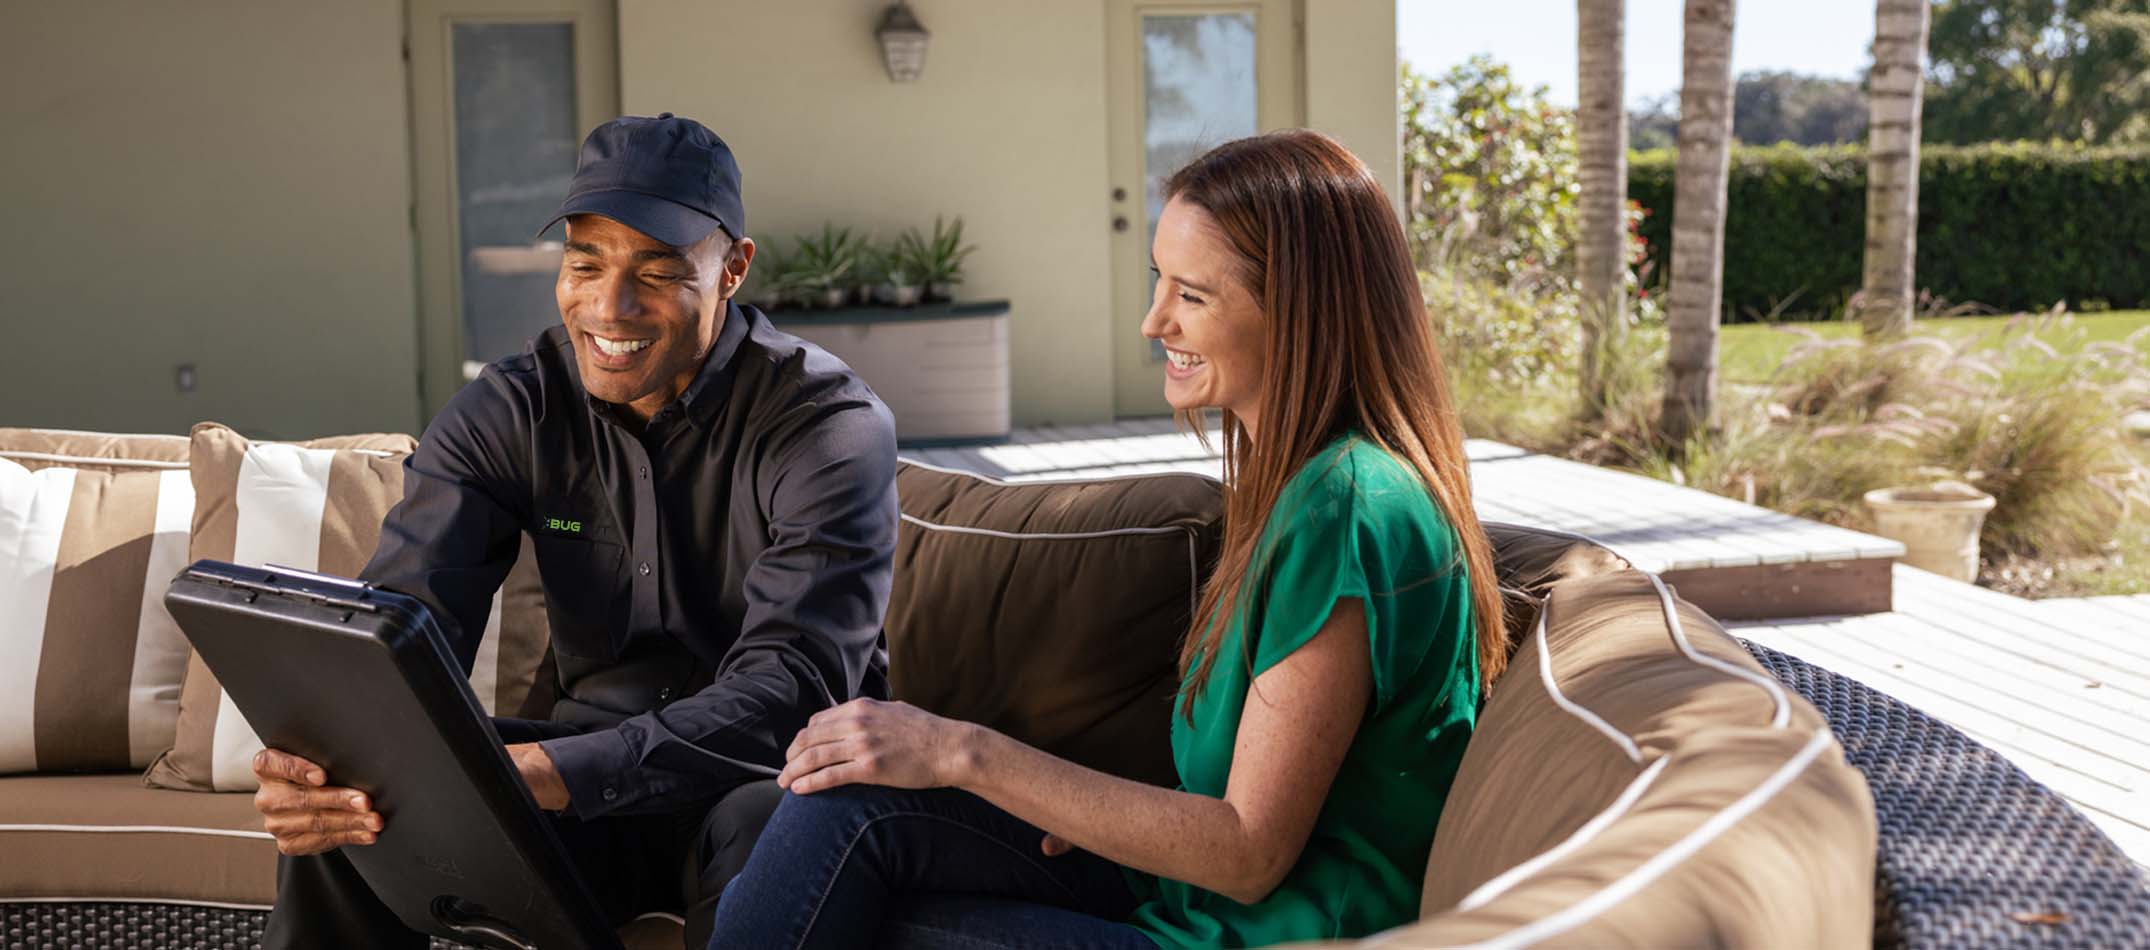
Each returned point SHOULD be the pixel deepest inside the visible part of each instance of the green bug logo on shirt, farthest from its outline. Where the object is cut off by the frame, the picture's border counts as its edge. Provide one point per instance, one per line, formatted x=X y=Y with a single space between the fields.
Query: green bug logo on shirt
x=563 y=525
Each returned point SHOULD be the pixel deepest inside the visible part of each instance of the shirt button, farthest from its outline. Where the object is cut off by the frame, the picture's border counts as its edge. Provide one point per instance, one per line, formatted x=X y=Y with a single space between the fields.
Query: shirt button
x=664 y=694
x=644 y=568
x=612 y=794
x=643 y=471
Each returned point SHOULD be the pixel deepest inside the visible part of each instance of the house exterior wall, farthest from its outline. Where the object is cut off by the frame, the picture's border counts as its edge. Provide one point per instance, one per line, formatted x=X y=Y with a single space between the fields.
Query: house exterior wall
x=227 y=184
x=1006 y=127
x=1351 y=83
x=216 y=182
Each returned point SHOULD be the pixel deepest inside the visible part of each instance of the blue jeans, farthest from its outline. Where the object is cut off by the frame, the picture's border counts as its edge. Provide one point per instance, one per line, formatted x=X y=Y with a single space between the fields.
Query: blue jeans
x=867 y=866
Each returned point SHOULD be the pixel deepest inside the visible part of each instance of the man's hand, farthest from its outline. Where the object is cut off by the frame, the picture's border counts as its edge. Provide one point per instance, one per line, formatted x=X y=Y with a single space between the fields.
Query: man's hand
x=539 y=774
x=305 y=813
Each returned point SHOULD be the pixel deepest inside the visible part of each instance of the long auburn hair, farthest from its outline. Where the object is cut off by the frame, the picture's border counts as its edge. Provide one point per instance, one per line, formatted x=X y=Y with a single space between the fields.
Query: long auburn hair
x=1349 y=347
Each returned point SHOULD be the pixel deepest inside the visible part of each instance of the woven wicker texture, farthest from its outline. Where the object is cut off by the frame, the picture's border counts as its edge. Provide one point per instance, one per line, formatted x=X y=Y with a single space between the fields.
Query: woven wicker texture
x=1967 y=840
x=117 y=926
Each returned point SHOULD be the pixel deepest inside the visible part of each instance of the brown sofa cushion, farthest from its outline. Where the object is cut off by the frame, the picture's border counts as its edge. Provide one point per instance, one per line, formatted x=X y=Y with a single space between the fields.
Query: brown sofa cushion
x=316 y=506
x=1529 y=561
x=1052 y=611
x=1741 y=825
x=106 y=837
x=90 y=663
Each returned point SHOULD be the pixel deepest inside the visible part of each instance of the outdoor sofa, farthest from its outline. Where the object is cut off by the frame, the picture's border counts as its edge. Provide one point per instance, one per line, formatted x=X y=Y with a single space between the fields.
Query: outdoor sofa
x=1638 y=778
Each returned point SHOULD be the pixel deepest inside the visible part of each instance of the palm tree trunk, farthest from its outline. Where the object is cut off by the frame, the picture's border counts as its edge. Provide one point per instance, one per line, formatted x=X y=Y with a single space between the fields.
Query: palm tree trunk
x=1601 y=136
x=1698 y=207
x=1895 y=90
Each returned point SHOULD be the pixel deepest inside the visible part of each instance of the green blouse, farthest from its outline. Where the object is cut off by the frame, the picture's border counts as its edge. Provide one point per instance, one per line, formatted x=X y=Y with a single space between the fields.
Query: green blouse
x=1354 y=522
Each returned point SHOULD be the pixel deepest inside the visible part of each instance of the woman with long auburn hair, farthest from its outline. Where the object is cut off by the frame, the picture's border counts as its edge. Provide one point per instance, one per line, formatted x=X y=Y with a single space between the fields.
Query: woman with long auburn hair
x=1329 y=682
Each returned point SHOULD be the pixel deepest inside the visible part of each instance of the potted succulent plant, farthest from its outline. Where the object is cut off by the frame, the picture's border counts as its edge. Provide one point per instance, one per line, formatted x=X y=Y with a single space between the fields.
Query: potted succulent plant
x=772 y=280
x=939 y=259
x=822 y=264
x=902 y=274
x=868 y=274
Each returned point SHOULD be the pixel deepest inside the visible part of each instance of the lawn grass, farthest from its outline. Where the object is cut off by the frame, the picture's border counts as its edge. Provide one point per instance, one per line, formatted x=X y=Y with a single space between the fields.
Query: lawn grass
x=1749 y=352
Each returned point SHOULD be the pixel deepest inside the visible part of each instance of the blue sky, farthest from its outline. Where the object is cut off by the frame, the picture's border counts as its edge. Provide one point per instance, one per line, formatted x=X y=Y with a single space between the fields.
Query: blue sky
x=1537 y=39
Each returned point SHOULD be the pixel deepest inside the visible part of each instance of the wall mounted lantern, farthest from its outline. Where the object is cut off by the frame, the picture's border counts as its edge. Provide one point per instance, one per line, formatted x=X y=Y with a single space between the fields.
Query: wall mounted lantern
x=903 y=43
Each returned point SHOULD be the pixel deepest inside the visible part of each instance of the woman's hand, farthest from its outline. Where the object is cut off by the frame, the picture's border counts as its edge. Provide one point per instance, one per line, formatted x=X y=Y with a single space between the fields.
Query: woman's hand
x=870 y=742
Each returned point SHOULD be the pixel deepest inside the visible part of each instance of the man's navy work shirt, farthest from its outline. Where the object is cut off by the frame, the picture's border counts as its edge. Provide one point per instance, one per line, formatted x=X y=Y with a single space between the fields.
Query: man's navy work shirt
x=710 y=583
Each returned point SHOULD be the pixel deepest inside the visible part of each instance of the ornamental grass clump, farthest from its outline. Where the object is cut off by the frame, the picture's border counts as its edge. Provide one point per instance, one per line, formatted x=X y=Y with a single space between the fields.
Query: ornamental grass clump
x=2037 y=427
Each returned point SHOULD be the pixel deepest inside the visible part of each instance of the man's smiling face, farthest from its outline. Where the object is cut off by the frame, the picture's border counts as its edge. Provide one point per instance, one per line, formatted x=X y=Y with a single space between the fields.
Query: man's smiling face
x=641 y=313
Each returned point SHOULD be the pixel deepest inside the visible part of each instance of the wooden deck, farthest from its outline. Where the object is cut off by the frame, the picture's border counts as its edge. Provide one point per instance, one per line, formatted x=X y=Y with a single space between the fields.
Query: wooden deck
x=2060 y=687
x=1734 y=559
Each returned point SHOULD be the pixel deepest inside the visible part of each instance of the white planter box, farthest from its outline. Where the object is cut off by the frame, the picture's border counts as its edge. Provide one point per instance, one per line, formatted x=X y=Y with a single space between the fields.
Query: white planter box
x=942 y=369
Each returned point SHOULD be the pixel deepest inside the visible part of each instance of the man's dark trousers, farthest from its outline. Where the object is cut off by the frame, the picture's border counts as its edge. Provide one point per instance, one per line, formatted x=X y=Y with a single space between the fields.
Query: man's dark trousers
x=677 y=862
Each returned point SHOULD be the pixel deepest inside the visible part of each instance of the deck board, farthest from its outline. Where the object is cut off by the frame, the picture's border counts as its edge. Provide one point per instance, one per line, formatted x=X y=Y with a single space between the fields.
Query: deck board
x=2069 y=707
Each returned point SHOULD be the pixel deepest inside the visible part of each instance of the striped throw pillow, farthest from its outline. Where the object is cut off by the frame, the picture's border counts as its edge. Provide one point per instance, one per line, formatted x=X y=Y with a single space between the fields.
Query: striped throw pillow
x=92 y=526
x=318 y=508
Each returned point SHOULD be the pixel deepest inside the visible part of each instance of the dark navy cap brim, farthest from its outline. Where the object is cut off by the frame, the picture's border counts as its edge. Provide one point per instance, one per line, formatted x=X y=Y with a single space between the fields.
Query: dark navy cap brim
x=661 y=218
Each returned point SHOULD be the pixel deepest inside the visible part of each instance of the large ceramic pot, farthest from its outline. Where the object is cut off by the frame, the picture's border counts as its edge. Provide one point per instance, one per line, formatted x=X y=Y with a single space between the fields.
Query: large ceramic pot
x=1938 y=525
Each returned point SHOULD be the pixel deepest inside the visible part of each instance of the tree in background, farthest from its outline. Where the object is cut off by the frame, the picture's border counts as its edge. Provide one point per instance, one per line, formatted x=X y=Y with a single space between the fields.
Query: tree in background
x=1768 y=107
x=1883 y=304
x=1771 y=107
x=2071 y=70
x=1698 y=209
x=1489 y=174
x=1601 y=134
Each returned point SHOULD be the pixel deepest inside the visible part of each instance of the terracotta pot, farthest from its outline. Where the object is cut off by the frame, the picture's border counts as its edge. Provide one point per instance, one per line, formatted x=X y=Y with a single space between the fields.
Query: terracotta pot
x=1938 y=525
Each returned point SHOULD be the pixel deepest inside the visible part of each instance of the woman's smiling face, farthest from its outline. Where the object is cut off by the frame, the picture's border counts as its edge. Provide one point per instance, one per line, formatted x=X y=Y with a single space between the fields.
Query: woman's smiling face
x=1210 y=324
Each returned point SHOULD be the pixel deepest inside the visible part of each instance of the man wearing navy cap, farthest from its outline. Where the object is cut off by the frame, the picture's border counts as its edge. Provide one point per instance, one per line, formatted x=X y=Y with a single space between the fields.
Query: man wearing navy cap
x=713 y=507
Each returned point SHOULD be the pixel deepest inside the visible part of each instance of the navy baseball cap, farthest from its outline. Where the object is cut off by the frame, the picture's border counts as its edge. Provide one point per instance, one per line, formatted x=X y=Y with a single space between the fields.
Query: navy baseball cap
x=667 y=177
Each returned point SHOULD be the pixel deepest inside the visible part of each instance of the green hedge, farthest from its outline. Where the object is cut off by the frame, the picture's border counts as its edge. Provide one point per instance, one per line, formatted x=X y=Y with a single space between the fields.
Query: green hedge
x=2010 y=226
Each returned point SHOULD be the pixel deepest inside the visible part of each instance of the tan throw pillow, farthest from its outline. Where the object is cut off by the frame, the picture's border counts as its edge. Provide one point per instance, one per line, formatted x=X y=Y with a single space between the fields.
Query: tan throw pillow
x=92 y=526
x=1052 y=611
x=316 y=506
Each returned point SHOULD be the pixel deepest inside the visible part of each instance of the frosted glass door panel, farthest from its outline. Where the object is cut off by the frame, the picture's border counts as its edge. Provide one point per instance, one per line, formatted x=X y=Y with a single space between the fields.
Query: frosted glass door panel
x=1198 y=92
x=515 y=142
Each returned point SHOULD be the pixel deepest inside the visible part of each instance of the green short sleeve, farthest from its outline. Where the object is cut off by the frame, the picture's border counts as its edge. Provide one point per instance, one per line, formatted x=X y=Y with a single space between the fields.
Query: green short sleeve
x=1312 y=562
x=1360 y=525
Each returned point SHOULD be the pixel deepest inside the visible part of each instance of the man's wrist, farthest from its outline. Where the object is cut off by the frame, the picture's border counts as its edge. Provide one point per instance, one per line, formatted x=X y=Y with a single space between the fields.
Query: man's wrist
x=540 y=774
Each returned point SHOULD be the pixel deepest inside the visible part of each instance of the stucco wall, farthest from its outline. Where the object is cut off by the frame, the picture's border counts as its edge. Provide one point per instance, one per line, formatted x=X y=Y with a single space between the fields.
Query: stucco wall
x=1351 y=87
x=1006 y=128
x=214 y=182
x=226 y=184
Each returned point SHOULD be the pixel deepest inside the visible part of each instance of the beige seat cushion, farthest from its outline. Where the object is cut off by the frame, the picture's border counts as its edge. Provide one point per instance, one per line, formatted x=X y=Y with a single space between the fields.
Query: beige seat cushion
x=1622 y=790
x=107 y=837
x=1052 y=611
x=90 y=663
x=316 y=507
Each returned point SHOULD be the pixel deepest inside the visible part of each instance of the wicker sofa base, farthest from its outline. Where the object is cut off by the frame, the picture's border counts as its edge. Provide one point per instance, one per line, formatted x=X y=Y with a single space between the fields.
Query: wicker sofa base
x=129 y=926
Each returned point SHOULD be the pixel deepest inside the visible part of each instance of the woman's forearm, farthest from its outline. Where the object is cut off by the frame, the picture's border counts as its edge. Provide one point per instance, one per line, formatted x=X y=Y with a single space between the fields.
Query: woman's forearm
x=1178 y=835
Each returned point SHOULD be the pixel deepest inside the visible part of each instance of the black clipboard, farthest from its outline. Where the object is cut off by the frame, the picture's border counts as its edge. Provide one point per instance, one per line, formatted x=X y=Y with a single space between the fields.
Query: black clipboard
x=360 y=681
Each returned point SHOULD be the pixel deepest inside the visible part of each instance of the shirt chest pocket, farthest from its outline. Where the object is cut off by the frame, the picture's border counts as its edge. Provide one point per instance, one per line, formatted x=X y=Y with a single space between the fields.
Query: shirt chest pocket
x=584 y=595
